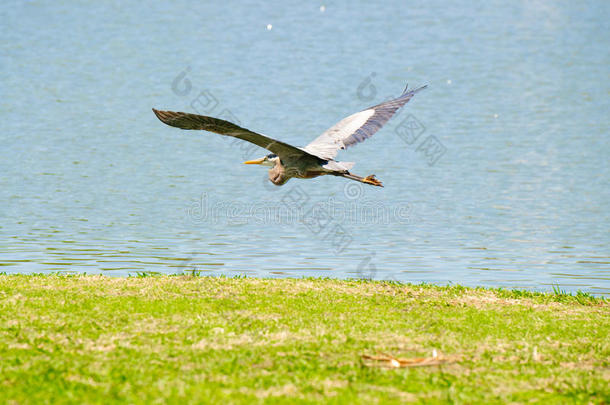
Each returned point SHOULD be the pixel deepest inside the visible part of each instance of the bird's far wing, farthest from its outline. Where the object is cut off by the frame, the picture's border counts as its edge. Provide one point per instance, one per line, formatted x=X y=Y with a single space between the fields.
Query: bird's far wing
x=357 y=127
x=222 y=127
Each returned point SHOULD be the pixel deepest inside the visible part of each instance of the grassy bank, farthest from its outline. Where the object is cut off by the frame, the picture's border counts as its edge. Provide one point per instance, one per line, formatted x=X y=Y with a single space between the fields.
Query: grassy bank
x=90 y=339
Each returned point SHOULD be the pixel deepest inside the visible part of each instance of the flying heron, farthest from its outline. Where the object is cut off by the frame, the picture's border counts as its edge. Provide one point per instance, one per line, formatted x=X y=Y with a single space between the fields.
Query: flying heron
x=317 y=158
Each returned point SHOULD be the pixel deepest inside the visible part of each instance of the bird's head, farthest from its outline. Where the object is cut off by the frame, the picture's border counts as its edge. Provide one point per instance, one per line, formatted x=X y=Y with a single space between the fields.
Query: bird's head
x=269 y=160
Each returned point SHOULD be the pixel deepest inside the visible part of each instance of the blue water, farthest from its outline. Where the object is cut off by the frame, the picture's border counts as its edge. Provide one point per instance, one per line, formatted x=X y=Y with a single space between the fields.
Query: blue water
x=496 y=175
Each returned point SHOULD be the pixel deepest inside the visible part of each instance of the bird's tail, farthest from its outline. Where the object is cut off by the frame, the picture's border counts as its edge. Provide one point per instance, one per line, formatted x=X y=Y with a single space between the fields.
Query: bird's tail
x=367 y=180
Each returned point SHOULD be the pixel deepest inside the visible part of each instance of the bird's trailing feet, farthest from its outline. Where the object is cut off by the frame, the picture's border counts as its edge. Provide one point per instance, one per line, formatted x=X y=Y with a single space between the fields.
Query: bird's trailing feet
x=368 y=179
x=372 y=180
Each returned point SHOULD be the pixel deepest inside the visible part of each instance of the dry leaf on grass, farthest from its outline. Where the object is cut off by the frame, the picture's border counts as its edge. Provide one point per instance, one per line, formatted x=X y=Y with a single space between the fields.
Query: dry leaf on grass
x=385 y=360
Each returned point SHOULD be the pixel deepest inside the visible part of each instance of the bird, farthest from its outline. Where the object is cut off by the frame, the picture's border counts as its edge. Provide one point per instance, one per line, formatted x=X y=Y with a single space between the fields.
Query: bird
x=318 y=157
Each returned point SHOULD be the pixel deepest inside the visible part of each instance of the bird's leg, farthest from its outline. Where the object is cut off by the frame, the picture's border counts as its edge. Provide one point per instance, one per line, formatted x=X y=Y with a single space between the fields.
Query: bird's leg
x=368 y=179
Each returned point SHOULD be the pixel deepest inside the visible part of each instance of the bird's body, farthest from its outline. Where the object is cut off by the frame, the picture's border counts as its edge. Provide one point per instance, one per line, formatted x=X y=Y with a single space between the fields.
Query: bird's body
x=314 y=160
x=302 y=167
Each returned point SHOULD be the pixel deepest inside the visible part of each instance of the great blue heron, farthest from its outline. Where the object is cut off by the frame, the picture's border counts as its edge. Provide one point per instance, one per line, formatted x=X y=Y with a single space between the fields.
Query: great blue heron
x=317 y=158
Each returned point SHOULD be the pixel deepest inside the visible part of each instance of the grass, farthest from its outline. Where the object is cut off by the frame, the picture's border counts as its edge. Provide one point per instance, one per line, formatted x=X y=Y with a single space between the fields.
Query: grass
x=186 y=339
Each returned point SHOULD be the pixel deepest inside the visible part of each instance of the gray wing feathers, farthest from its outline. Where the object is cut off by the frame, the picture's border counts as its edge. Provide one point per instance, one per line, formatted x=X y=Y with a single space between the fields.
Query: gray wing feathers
x=357 y=127
x=193 y=121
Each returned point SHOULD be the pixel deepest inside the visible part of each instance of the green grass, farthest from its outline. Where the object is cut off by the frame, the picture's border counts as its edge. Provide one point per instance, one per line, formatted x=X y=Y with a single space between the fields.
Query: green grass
x=151 y=339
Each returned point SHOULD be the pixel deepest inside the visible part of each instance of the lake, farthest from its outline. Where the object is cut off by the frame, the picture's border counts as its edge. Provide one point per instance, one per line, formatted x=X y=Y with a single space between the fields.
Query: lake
x=495 y=175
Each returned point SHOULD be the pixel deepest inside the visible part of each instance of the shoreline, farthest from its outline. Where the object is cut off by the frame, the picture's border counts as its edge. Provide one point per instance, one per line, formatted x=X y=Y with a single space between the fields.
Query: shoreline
x=558 y=292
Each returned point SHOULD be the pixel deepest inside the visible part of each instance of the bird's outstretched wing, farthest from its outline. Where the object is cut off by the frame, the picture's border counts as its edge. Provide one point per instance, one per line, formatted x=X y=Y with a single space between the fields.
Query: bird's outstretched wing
x=357 y=127
x=222 y=127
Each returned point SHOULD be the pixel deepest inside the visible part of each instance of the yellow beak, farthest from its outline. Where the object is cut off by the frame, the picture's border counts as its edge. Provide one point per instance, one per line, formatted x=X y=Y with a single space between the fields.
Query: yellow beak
x=254 y=162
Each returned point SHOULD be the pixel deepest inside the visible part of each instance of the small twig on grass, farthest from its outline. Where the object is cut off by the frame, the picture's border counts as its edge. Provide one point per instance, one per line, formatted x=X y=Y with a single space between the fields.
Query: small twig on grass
x=386 y=360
